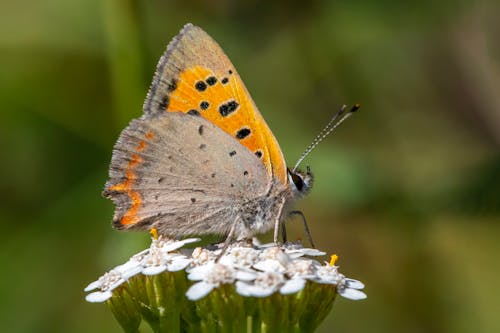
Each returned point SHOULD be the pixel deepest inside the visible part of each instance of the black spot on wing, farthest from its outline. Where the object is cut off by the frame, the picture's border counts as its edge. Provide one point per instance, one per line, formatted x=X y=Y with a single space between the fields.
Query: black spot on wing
x=164 y=103
x=211 y=80
x=232 y=153
x=200 y=86
x=204 y=105
x=243 y=133
x=224 y=80
x=172 y=85
x=258 y=153
x=200 y=130
x=227 y=108
x=194 y=112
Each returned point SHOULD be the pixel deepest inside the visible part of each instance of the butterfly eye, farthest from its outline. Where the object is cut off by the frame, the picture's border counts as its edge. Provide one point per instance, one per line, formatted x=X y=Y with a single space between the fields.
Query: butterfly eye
x=297 y=181
x=300 y=182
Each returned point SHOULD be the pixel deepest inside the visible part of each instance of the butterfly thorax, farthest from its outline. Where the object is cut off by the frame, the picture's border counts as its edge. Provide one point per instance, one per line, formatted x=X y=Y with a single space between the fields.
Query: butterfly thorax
x=259 y=216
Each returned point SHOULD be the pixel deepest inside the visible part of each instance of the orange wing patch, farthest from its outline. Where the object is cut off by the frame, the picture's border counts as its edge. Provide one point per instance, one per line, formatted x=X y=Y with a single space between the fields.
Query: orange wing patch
x=223 y=100
x=130 y=216
x=195 y=76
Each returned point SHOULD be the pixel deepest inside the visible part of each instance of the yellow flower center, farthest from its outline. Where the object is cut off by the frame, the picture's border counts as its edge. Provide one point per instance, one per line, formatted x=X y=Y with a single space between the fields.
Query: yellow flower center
x=154 y=233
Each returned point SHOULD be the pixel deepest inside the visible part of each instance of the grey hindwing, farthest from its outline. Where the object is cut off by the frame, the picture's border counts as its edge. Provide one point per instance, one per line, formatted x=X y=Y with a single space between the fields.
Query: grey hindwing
x=189 y=175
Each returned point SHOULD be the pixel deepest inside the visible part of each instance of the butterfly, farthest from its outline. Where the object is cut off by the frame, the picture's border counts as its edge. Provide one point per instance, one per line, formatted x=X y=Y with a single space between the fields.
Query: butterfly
x=201 y=159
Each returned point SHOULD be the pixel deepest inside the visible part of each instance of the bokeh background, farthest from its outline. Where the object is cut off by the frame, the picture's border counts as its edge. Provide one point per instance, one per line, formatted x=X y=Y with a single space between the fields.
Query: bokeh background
x=407 y=191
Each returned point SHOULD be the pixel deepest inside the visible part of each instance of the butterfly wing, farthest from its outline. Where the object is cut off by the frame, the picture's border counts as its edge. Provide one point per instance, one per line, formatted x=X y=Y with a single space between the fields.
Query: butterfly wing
x=194 y=75
x=181 y=174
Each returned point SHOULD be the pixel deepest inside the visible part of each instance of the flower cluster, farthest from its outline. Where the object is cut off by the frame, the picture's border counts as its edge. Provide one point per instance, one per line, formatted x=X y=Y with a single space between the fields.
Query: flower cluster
x=255 y=270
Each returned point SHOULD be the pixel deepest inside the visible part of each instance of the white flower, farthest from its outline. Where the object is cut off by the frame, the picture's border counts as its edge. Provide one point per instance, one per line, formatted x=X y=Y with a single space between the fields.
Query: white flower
x=281 y=274
x=212 y=275
x=256 y=270
x=159 y=260
x=300 y=252
x=160 y=257
x=327 y=274
x=151 y=261
x=201 y=256
x=113 y=279
x=168 y=245
x=106 y=284
x=301 y=268
x=272 y=259
x=242 y=257
x=349 y=288
x=292 y=286
x=264 y=285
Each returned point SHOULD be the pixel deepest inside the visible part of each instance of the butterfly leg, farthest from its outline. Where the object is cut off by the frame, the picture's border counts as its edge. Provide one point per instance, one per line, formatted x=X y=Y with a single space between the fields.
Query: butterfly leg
x=308 y=233
x=278 y=221
x=283 y=232
x=229 y=238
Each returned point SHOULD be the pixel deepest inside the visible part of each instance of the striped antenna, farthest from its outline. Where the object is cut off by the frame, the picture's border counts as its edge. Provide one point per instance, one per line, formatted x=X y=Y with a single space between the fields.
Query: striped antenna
x=337 y=119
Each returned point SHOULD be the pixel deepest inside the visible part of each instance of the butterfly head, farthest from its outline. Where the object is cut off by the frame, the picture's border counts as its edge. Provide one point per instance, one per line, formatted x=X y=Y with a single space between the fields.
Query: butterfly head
x=300 y=182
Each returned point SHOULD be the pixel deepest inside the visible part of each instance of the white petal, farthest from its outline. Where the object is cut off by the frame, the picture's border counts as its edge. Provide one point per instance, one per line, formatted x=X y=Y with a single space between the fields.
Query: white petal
x=242 y=288
x=324 y=280
x=269 y=265
x=227 y=260
x=153 y=270
x=296 y=253
x=353 y=294
x=245 y=275
x=292 y=286
x=172 y=246
x=190 y=240
x=200 y=272
x=258 y=291
x=199 y=290
x=354 y=284
x=131 y=272
x=178 y=244
x=246 y=289
x=315 y=262
x=131 y=264
x=314 y=252
x=115 y=284
x=98 y=296
x=196 y=276
x=139 y=254
x=266 y=246
x=92 y=286
x=179 y=264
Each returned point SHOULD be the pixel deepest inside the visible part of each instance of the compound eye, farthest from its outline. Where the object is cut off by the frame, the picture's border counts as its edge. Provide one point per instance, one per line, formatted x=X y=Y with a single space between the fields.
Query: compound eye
x=297 y=180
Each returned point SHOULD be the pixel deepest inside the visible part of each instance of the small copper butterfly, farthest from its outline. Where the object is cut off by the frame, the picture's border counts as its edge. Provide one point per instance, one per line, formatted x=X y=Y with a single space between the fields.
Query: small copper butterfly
x=201 y=159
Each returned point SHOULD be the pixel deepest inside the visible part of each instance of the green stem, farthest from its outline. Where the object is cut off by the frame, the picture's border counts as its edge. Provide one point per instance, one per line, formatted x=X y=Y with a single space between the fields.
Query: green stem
x=125 y=310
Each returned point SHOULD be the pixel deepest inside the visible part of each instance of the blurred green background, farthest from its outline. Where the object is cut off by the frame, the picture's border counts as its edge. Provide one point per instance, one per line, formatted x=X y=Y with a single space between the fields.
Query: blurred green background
x=407 y=192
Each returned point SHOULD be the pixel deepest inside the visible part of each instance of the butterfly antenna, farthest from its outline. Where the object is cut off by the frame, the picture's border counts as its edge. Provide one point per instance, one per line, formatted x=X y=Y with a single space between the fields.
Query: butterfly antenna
x=337 y=119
